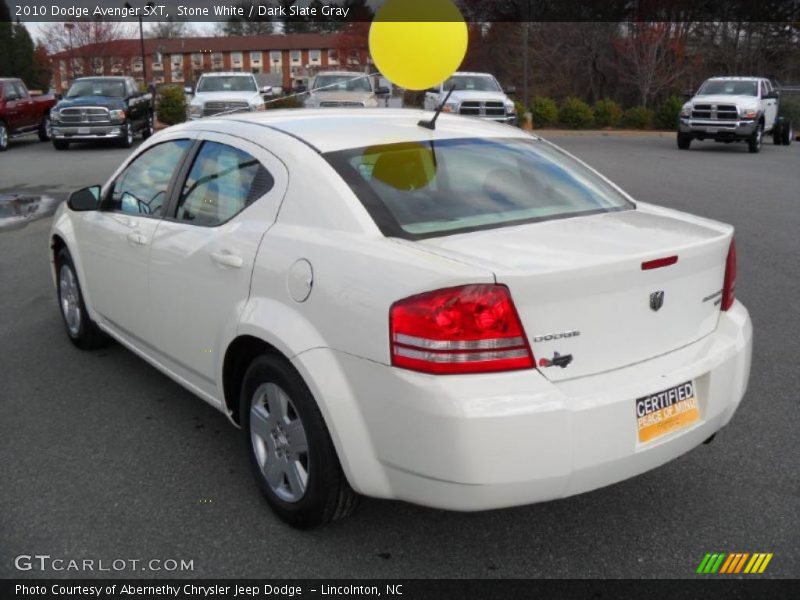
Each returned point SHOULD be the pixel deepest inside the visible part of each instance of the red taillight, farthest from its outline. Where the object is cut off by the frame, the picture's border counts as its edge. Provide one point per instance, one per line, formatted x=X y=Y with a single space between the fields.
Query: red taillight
x=659 y=262
x=468 y=329
x=729 y=287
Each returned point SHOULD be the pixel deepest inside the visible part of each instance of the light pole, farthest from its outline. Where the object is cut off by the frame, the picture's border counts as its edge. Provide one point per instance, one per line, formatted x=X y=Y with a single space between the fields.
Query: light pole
x=141 y=38
x=71 y=72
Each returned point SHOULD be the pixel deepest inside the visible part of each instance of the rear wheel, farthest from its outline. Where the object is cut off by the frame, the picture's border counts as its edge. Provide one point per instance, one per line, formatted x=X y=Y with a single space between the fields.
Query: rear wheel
x=754 y=143
x=684 y=141
x=290 y=449
x=45 y=129
x=61 y=144
x=82 y=331
x=3 y=137
x=787 y=133
x=777 y=132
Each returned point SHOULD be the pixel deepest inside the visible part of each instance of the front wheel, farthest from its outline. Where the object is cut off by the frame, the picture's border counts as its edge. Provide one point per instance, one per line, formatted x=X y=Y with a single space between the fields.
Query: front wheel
x=45 y=129
x=3 y=137
x=684 y=141
x=147 y=130
x=82 y=331
x=754 y=143
x=290 y=449
x=126 y=141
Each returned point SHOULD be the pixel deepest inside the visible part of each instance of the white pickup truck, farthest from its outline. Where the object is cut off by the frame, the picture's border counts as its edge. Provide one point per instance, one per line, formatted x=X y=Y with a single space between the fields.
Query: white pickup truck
x=474 y=94
x=225 y=92
x=733 y=109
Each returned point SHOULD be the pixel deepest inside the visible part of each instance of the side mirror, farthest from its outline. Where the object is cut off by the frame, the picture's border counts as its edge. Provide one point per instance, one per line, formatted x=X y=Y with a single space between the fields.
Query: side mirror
x=85 y=199
x=382 y=91
x=267 y=89
x=432 y=90
x=188 y=90
x=58 y=96
x=511 y=90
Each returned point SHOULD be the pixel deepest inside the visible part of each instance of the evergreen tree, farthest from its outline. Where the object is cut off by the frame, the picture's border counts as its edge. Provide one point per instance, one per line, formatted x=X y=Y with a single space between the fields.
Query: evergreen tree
x=22 y=54
x=6 y=41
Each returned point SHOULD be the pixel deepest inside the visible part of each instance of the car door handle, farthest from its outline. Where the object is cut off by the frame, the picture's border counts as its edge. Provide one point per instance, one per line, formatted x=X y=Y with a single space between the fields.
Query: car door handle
x=226 y=259
x=137 y=238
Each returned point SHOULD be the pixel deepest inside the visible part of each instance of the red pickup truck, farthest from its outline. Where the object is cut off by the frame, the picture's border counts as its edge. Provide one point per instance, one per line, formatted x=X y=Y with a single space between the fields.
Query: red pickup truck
x=23 y=114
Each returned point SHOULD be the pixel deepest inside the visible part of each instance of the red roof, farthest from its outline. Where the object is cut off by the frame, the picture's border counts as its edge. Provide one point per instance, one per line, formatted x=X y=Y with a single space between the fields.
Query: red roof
x=131 y=47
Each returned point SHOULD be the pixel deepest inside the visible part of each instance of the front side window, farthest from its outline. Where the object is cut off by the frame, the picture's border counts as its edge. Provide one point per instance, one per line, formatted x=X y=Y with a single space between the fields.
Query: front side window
x=143 y=186
x=414 y=190
x=223 y=181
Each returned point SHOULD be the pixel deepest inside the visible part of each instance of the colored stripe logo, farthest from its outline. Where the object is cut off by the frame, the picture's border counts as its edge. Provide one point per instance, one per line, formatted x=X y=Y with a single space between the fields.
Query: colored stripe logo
x=734 y=562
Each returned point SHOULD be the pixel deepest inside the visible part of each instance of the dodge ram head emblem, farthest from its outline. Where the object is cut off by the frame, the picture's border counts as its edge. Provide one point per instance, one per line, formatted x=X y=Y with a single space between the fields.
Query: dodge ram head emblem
x=657 y=300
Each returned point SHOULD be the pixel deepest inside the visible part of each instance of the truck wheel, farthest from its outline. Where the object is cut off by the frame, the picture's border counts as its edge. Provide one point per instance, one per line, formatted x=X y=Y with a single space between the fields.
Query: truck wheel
x=147 y=130
x=126 y=141
x=684 y=141
x=787 y=133
x=61 y=144
x=777 y=132
x=754 y=143
x=3 y=137
x=45 y=129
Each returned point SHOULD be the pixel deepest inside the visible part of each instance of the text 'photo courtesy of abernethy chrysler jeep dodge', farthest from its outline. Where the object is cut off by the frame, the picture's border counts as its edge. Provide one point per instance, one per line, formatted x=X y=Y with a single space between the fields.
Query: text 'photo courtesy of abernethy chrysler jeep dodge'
x=459 y=315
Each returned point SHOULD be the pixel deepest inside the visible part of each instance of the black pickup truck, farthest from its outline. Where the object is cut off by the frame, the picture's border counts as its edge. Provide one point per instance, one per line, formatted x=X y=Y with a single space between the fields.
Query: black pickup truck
x=100 y=108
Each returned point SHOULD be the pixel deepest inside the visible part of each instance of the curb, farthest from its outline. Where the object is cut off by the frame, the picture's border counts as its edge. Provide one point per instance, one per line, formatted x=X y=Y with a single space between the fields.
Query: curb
x=604 y=132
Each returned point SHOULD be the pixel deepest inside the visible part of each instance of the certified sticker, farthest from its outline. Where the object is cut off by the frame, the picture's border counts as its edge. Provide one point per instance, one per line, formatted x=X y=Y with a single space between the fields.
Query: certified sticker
x=660 y=413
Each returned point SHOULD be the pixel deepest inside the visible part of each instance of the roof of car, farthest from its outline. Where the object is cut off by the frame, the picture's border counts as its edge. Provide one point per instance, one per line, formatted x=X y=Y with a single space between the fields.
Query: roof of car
x=227 y=74
x=354 y=73
x=332 y=129
x=737 y=78
x=472 y=74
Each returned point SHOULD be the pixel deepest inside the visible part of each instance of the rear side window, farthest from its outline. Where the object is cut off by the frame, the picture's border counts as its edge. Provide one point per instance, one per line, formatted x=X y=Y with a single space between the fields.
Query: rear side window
x=415 y=190
x=143 y=186
x=222 y=182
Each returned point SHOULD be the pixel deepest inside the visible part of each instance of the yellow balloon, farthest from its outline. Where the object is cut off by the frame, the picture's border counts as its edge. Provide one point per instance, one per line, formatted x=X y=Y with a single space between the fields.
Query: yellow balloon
x=417 y=44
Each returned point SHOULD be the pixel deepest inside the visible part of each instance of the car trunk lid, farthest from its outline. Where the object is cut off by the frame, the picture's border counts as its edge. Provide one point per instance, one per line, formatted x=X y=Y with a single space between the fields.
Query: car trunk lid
x=581 y=291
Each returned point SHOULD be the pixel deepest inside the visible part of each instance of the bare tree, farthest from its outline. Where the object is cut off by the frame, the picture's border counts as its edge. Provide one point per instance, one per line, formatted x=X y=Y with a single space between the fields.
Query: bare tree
x=170 y=28
x=57 y=36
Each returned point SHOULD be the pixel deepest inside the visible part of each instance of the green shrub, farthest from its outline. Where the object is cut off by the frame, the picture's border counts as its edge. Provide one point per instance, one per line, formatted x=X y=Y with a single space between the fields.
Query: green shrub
x=790 y=108
x=607 y=113
x=171 y=105
x=666 y=116
x=575 y=113
x=287 y=102
x=544 y=111
x=638 y=117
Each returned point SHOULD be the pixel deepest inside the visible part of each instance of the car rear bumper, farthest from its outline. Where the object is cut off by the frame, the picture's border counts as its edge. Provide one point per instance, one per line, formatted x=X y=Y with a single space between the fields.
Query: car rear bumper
x=712 y=129
x=61 y=132
x=474 y=442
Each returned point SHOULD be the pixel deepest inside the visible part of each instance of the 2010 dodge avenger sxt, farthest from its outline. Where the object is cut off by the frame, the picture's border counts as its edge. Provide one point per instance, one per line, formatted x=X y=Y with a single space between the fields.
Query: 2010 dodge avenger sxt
x=465 y=317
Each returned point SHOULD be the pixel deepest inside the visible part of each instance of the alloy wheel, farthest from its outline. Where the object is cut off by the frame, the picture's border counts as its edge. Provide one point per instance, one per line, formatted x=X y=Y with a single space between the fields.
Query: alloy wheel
x=3 y=137
x=279 y=442
x=70 y=299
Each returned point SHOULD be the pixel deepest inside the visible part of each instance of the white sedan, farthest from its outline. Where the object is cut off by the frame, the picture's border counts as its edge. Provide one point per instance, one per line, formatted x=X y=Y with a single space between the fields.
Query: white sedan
x=466 y=318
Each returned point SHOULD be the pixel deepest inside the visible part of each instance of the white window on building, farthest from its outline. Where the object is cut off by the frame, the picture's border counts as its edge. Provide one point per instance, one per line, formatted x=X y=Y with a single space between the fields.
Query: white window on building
x=97 y=65
x=353 y=56
x=275 y=57
x=314 y=57
x=333 y=56
x=62 y=69
x=136 y=64
x=216 y=61
x=236 y=59
x=295 y=56
x=176 y=60
x=255 y=57
x=177 y=76
x=197 y=60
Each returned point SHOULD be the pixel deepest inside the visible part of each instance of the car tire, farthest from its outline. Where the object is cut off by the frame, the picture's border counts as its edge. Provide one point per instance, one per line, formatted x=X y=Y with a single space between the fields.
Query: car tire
x=61 y=144
x=45 y=129
x=684 y=141
x=289 y=446
x=147 y=130
x=787 y=134
x=82 y=331
x=777 y=132
x=754 y=141
x=3 y=137
x=126 y=141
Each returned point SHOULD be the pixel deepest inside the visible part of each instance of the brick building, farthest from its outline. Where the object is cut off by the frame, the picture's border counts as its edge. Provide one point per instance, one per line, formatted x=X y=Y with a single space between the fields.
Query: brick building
x=293 y=57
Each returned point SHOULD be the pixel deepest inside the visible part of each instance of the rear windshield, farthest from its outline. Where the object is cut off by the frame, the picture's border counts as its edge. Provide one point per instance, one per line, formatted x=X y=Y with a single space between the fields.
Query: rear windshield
x=415 y=190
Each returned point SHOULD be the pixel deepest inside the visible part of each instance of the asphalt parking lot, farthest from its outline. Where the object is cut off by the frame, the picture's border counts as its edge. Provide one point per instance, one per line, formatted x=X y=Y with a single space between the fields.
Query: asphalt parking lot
x=104 y=458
